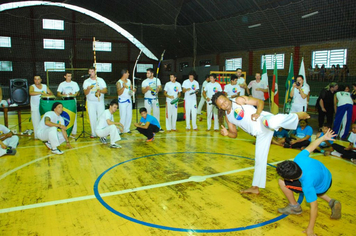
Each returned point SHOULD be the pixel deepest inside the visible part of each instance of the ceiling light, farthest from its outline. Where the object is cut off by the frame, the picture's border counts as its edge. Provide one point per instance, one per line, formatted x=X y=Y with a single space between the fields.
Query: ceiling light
x=310 y=14
x=253 y=26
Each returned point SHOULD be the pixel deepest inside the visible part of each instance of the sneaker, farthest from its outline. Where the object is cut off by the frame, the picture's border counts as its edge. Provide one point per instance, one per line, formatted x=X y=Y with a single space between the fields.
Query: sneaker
x=150 y=140
x=57 y=151
x=161 y=130
x=30 y=132
x=353 y=160
x=92 y=136
x=103 y=140
x=291 y=210
x=335 y=206
x=336 y=153
x=48 y=145
x=115 y=145
x=10 y=151
x=286 y=145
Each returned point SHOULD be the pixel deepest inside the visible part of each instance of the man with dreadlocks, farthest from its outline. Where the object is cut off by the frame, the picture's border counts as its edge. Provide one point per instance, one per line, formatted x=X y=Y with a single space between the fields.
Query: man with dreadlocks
x=241 y=112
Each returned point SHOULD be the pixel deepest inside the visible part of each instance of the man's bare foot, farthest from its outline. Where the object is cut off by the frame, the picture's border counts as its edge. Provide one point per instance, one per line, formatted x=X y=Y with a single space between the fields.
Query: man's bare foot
x=302 y=115
x=253 y=189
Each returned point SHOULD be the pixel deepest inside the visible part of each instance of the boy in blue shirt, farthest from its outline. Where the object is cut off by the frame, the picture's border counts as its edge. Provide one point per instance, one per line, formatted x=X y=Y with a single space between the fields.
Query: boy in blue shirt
x=148 y=125
x=311 y=177
x=324 y=147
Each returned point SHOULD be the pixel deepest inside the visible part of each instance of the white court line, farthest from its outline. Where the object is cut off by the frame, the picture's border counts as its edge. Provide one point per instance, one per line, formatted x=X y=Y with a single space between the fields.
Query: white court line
x=36 y=160
x=89 y=197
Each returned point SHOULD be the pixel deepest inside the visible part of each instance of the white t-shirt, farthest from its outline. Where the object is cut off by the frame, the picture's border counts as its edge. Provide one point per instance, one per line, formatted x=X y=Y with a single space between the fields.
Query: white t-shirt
x=172 y=89
x=153 y=84
x=352 y=139
x=99 y=84
x=343 y=98
x=193 y=85
x=254 y=85
x=232 y=89
x=212 y=88
x=35 y=99
x=67 y=88
x=297 y=98
x=57 y=119
x=203 y=86
x=127 y=91
x=4 y=129
x=102 y=120
x=241 y=81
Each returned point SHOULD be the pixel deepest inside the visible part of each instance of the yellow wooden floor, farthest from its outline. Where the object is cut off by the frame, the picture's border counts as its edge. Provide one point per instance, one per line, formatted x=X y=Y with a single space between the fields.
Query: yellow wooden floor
x=183 y=183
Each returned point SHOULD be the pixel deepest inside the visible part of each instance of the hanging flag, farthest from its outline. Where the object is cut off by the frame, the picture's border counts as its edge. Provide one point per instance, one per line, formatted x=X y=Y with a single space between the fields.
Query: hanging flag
x=289 y=82
x=264 y=78
x=274 y=90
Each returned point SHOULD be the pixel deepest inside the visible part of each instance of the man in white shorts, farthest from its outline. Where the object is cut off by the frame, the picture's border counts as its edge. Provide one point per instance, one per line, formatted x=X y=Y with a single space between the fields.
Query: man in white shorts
x=172 y=91
x=106 y=126
x=48 y=128
x=94 y=88
x=241 y=112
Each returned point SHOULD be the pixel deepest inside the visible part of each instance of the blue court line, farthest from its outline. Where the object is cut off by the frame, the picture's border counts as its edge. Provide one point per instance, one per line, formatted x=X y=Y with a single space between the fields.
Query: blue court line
x=107 y=206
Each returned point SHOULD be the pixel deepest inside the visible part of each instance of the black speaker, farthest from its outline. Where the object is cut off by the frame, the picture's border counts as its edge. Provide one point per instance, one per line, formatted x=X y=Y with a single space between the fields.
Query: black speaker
x=19 y=91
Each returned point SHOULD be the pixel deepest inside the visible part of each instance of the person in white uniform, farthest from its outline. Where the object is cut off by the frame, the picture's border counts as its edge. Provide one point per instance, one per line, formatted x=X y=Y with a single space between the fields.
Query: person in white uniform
x=8 y=141
x=241 y=81
x=51 y=122
x=232 y=90
x=150 y=88
x=241 y=112
x=210 y=89
x=36 y=90
x=71 y=88
x=106 y=126
x=299 y=93
x=258 y=87
x=202 y=99
x=125 y=91
x=94 y=89
x=172 y=90
x=190 y=89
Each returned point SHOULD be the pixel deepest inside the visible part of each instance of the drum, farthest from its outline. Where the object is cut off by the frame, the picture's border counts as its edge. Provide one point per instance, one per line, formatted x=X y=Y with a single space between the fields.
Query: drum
x=68 y=97
x=47 y=97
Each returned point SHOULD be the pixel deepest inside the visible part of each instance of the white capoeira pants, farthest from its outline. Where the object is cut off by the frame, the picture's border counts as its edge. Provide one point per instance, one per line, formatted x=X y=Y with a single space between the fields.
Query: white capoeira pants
x=210 y=111
x=12 y=142
x=152 y=104
x=95 y=109
x=298 y=107
x=51 y=135
x=201 y=104
x=125 y=109
x=263 y=143
x=190 y=108
x=36 y=118
x=109 y=130
x=171 y=116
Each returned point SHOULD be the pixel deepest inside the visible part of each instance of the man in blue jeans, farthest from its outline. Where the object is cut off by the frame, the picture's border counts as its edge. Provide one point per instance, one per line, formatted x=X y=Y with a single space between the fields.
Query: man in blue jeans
x=311 y=177
x=148 y=125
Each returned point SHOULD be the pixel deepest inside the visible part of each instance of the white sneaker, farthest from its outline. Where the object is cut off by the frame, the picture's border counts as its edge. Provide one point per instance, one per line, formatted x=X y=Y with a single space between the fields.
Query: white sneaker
x=115 y=145
x=103 y=140
x=336 y=153
x=48 y=145
x=57 y=151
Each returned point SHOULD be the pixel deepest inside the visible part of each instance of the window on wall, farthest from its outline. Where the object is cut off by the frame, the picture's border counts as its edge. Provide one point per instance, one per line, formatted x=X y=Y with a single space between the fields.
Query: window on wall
x=5 y=42
x=53 y=24
x=233 y=64
x=5 y=65
x=142 y=68
x=102 y=46
x=270 y=59
x=103 y=67
x=329 y=57
x=54 y=66
x=205 y=63
x=53 y=43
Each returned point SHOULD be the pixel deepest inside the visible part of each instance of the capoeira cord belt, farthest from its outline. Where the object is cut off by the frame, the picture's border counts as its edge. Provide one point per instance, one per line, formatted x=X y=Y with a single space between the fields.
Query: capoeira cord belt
x=121 y=101
x=150 y=100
